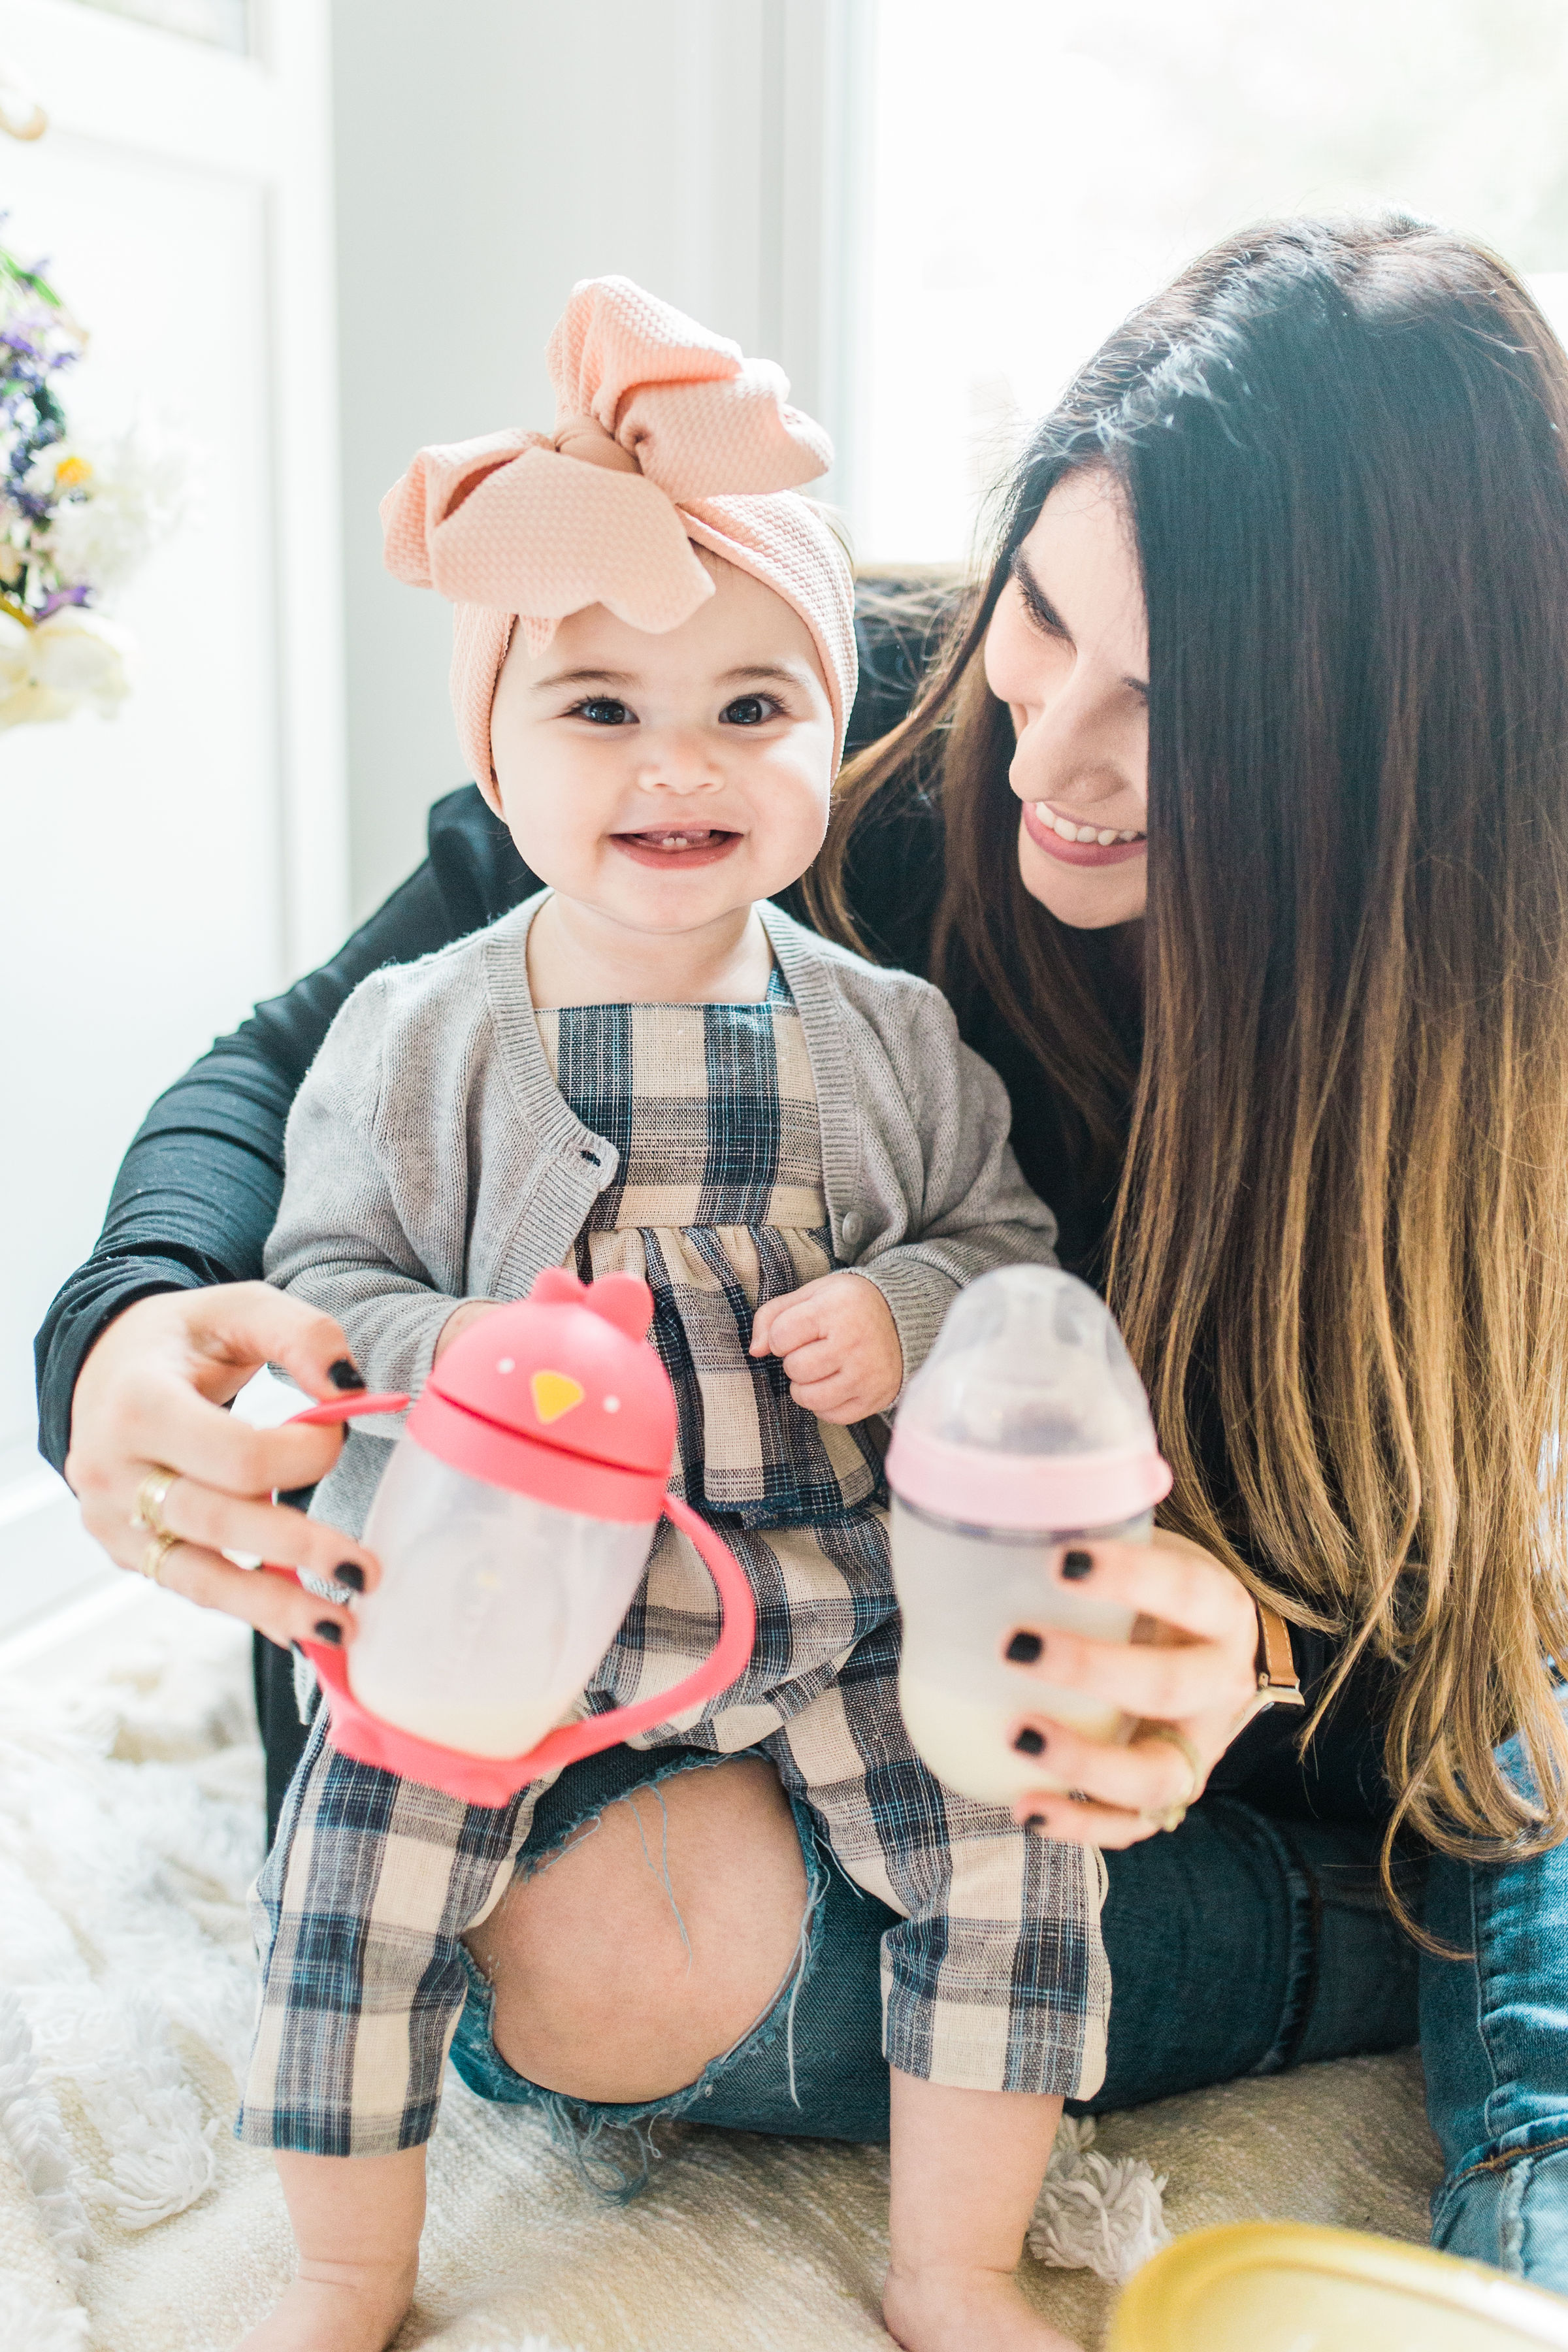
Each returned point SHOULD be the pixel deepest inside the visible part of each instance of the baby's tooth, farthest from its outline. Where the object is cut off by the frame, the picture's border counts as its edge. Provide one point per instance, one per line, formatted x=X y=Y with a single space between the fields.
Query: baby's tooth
x=1066 y=827
x=1105 y=839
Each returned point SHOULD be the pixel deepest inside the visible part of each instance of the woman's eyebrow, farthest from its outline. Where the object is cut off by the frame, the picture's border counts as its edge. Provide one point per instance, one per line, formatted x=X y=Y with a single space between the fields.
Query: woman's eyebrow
x=1040 y=609
x=1045 y=615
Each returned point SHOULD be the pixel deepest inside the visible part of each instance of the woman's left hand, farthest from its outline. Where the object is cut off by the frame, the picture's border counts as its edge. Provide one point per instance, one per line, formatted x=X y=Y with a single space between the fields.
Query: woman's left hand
x=1198 y=1674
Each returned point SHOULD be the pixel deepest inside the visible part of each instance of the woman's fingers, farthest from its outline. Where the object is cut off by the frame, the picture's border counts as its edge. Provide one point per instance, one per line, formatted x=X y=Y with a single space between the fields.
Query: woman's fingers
x=1148 y=1775
x=151 y=1396
x=269 y=1531
x=168 y=1423
x=1073 y=1822
x=1141 y=1678
x=1167 y=1579
x=275 y=1605
x=151 y=1389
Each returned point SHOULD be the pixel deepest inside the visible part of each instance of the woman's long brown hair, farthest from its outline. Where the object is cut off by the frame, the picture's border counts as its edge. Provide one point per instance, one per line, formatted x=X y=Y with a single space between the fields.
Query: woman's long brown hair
x=1339 y=1154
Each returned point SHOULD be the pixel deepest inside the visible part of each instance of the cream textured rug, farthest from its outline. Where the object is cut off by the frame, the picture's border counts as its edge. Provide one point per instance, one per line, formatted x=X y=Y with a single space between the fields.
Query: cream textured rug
x=130 y=2221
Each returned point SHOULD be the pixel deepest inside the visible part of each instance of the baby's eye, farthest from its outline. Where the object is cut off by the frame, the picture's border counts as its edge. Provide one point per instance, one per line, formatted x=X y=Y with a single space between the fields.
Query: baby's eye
x=750 y=711
x=602 y=710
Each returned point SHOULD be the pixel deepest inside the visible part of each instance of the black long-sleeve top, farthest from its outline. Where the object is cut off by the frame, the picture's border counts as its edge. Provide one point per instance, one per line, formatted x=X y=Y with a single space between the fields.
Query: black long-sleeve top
x=199 y=1188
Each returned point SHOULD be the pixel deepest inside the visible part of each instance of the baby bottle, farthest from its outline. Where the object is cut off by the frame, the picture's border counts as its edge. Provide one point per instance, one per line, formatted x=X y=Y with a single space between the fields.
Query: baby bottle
x=513 y=1526
x=1025 y=1430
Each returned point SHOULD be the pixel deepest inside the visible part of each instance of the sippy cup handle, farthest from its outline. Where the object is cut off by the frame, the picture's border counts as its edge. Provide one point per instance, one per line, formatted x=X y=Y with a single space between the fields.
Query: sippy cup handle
x=494 y=1781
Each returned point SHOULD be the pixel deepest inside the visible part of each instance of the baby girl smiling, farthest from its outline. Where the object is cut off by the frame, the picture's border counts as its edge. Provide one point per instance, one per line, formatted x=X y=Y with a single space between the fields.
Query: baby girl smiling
x=648 y=1067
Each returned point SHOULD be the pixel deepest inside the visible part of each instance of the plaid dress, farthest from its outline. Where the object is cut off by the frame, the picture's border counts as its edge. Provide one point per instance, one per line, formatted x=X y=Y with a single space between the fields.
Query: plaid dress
x=995 y=1977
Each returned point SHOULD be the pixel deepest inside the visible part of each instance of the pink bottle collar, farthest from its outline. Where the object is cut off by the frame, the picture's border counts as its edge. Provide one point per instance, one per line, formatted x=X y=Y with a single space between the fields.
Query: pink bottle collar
x=1033 y=1492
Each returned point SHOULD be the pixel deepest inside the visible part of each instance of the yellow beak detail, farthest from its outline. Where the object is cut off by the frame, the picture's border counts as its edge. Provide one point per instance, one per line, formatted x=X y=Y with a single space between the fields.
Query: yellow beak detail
x=554 y=1393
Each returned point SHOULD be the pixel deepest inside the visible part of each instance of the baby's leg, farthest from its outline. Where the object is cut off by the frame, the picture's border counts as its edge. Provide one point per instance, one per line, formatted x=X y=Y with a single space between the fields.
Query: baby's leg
x=967 y=2168
x=996 y=1989
x=358 y=1913
x=356 y=2221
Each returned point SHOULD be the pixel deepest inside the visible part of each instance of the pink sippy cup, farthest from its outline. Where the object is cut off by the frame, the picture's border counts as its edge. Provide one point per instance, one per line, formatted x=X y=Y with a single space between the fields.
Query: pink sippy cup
x=1025 y=1430
x=513 y=1526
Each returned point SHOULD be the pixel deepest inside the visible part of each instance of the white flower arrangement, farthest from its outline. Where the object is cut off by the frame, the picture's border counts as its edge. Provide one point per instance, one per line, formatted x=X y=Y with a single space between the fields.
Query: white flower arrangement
x=78 y=518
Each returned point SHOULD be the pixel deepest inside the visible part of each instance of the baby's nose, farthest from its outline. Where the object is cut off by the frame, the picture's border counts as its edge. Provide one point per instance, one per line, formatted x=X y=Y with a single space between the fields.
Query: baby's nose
x=679 y=761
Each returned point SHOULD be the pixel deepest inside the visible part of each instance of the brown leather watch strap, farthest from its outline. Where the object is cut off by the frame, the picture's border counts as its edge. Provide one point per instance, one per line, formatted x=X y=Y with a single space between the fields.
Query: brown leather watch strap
x=1279 y=1683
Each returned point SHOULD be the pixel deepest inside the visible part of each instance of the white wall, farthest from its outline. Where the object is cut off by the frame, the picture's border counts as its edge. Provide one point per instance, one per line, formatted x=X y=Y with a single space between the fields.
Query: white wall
x=160 y=871
x=484 y=166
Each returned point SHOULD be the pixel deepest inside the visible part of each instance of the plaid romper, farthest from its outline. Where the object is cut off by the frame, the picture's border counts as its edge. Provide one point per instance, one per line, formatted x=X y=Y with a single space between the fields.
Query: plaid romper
x=995 y=1978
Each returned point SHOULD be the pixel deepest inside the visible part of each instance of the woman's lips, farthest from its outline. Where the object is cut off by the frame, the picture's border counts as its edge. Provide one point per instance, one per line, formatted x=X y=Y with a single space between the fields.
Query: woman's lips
x=1044 y=836
x=680 y=847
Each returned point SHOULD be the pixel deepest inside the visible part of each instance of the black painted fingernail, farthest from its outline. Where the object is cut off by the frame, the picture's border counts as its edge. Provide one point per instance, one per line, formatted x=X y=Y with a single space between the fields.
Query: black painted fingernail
x=348 y=1572
x=344 y=1374
x=1076 y=1564
x=1030 y=1742
x=1034 y=1820
x=1023 y=1649
x=328 y=1629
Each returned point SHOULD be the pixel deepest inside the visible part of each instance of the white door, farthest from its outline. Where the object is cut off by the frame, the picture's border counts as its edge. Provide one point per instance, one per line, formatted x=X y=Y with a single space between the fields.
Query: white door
x=160 y=871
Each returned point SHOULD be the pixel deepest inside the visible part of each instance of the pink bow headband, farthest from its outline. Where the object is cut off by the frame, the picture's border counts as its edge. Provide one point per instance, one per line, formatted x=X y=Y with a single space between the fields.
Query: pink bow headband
x=665 y=434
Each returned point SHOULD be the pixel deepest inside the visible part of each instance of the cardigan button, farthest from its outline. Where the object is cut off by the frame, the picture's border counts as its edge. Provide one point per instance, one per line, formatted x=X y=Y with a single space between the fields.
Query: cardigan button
x=850 y=1224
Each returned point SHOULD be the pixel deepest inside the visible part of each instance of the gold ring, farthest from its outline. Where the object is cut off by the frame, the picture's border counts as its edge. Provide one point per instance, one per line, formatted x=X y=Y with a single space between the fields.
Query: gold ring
x=156 y=1553
x=1171 y=1817
x=150 y=1498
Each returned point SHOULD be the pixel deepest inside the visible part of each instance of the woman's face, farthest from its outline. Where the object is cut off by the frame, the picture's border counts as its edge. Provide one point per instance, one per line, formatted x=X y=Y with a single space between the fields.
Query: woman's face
x=1066 y=651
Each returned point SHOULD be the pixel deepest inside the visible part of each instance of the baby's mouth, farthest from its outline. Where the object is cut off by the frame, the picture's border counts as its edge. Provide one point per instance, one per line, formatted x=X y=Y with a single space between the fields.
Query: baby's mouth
x=675 y=847
x=673 y=839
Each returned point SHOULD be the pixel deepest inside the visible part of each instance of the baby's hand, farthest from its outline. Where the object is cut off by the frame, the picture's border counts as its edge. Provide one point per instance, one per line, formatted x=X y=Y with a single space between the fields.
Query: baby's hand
x=457 y=1322
x=839 y=1345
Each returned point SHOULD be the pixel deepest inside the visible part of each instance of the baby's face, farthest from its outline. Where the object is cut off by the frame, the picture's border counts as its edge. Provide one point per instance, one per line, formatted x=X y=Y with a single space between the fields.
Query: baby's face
x=666 y=781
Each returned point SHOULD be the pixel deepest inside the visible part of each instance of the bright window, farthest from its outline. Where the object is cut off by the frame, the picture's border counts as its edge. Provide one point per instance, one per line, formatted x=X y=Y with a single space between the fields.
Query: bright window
x=1037 y=168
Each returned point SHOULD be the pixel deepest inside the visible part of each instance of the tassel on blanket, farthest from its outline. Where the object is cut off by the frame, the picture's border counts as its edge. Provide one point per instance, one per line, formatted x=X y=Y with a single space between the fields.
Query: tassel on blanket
x=28 y=2327
x=30 y=2122
x=1097 y=2213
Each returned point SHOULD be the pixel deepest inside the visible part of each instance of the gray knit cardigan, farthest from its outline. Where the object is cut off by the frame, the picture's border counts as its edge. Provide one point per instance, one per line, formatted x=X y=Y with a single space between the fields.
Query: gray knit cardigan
x=431 y=1157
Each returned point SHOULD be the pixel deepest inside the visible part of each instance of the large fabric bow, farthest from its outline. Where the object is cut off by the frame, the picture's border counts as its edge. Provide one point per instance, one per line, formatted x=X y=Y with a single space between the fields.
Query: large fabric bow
x=665 y=434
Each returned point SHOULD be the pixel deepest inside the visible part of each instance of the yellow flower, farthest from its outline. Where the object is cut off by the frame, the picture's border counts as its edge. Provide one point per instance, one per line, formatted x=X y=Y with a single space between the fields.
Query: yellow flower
x=72 y=474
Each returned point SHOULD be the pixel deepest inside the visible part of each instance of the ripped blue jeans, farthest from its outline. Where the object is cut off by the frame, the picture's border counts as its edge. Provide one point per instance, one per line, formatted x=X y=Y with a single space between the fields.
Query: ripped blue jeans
x=1284 y=1917
x=811 y=2066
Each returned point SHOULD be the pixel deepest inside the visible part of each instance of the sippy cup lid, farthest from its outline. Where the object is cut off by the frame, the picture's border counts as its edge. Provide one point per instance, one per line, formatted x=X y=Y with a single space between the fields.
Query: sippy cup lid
x=1028 y=1412
x=560 y=1397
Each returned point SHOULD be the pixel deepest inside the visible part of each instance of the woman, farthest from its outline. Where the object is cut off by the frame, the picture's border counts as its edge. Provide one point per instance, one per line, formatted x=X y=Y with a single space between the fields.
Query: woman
x=1274 y=958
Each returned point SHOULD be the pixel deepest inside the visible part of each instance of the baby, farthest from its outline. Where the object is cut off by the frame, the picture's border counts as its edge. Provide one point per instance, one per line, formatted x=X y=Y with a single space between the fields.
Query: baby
x=649 y=1068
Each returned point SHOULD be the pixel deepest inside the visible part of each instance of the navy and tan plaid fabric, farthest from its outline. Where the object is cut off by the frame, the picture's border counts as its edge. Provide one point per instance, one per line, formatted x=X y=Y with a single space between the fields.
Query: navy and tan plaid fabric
x=995 y=1978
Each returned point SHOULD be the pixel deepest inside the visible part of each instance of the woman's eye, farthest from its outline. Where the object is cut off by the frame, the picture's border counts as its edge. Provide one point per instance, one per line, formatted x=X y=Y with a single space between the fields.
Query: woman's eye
x=749 y=711
x=601 y=711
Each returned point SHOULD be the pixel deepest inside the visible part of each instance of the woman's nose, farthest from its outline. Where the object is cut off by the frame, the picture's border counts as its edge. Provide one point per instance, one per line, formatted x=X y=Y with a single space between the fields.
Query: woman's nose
x=1071 y=738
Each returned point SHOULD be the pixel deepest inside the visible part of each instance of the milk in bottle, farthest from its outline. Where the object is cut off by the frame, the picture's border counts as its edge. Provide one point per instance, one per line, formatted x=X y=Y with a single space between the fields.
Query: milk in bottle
x=1026 y=1431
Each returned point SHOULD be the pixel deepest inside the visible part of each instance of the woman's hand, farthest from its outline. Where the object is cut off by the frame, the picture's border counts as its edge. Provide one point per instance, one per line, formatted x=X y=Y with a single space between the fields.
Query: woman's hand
x=151 y=1394
x=1198 y=1674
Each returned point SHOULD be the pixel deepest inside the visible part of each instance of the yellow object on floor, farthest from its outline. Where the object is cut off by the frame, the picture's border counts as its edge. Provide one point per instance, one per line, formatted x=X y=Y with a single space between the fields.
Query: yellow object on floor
x=1266 y=2286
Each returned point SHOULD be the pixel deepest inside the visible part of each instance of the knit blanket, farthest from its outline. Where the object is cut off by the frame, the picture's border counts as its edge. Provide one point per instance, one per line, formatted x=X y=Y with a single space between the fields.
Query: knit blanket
x=130 y=2221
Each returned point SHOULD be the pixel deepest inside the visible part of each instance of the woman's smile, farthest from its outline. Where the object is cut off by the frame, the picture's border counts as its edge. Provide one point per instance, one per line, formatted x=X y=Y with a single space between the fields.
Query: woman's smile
x=1078 y=845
